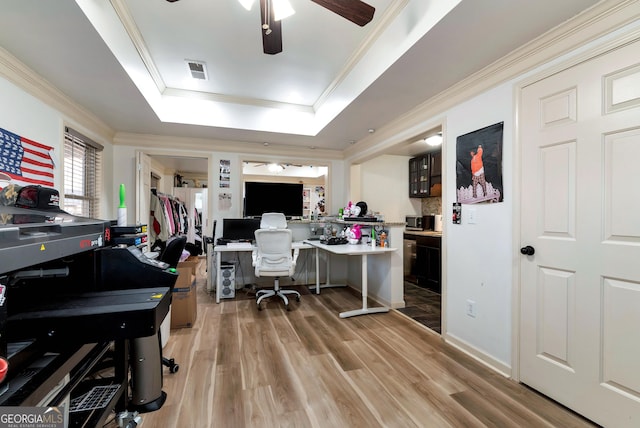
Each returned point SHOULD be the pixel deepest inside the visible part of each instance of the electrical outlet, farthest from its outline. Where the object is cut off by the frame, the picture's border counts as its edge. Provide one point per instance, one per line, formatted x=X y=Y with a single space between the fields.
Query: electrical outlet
x=471 y=308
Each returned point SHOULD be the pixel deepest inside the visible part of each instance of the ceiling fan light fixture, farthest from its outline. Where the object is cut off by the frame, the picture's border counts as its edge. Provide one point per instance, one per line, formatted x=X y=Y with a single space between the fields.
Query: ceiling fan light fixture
x=247 y=4
x=274 y=167
x=282 y=9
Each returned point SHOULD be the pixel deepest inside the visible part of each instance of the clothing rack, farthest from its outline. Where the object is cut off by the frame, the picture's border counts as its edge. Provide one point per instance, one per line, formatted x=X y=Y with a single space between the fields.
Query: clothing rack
x=168 y=217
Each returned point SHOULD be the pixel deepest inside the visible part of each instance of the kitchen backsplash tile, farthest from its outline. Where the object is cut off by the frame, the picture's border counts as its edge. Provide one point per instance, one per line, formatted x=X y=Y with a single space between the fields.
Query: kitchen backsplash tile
x=431 y=205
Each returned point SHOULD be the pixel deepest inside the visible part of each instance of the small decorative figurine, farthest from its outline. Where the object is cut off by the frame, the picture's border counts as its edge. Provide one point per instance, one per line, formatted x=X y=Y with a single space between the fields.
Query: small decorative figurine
x=347 y=210
x=354 y=234
x=383 y=239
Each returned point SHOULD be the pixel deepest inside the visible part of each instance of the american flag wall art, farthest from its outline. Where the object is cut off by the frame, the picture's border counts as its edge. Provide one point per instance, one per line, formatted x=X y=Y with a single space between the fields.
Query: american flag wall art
x=24 y=161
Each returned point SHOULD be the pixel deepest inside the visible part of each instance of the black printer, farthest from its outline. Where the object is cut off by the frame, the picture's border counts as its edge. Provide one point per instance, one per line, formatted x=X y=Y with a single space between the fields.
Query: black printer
x=60 y=318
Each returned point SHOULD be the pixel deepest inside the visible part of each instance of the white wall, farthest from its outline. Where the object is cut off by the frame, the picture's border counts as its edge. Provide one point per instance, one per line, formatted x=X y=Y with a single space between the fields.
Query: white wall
x=355 y=183
x=479 y=256
x=28 y=117
x=125 y=159
x=25 y=115
x=384 y=185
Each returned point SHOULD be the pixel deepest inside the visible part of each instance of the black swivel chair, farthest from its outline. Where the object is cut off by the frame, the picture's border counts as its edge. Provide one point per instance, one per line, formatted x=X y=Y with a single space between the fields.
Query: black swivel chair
x=171 y=255
x=173 y=250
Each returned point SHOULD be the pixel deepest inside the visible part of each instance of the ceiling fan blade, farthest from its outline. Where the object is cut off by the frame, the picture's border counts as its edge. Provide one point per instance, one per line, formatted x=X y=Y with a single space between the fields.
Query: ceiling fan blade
x=272 y=42
x=355 y=11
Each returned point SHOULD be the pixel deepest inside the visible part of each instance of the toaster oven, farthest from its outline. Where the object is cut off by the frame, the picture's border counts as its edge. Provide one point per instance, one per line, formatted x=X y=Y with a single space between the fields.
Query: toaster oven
x=414 y=222
x=425 y=222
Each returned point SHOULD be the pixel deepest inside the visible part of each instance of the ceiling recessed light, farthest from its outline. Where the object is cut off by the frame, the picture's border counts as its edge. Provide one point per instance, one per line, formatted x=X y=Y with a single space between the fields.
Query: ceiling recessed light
x=434 y=140
x=371 y=130
x=265 y=144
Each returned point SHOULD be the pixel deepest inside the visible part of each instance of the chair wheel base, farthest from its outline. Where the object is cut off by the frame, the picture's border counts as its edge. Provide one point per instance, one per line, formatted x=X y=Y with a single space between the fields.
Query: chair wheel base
x=171 y=364
x=267 y=294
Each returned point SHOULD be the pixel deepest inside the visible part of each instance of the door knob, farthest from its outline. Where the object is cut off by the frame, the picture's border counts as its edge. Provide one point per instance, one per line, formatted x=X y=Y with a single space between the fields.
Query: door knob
x=528 y=250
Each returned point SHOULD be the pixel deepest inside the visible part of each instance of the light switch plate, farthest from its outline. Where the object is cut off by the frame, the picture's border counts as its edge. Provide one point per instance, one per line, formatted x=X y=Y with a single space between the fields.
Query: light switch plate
x=472 y=216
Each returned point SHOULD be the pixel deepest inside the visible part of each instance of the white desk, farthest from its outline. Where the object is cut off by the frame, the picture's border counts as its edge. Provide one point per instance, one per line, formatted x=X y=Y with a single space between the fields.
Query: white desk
x=362 y=250
x=219 y=249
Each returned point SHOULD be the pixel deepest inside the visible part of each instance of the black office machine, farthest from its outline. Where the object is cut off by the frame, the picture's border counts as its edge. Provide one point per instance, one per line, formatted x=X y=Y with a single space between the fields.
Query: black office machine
x=62 y=315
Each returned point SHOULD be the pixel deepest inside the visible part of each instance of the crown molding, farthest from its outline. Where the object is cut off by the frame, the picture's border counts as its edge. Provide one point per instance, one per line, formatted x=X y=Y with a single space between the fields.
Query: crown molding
x=202 y=144
x=602 y=18
x=26 y=79
x=128 y=23
x=386 y=20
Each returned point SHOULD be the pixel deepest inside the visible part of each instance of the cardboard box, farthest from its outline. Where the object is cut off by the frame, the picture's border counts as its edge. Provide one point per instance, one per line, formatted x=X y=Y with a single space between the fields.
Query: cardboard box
x=184 y=306
x=191 y=262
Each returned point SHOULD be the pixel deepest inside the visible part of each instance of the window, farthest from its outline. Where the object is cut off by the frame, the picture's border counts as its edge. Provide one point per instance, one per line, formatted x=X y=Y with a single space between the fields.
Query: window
x=82 y=174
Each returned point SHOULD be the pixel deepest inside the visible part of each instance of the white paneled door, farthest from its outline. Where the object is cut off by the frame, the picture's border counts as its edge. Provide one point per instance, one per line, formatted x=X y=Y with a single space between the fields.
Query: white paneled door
x=580 y=216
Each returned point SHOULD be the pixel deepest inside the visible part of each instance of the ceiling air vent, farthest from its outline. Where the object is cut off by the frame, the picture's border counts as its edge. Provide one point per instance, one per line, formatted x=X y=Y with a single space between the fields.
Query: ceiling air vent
x=198 y=69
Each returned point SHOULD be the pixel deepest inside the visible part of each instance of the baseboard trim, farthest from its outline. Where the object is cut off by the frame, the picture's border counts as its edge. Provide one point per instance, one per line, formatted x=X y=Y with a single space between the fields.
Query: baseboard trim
x=478 y=355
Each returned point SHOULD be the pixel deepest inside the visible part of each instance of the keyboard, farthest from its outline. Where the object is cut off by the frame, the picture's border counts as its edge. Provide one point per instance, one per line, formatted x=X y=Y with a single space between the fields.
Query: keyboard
x=363 y=219
x=335 y=241
x=239 y=245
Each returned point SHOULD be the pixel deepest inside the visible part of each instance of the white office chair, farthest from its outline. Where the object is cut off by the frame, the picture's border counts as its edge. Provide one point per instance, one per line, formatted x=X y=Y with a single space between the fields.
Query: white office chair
x=274 y=256
x=273 y=221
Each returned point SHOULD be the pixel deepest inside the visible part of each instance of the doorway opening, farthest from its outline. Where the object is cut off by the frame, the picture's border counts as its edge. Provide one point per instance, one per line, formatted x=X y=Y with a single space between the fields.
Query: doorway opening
x=422 y=244
x=423 y=305
x=178 y=178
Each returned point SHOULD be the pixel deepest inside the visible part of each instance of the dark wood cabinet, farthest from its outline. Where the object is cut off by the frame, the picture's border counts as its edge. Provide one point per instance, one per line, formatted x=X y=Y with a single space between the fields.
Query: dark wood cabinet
x=419 y=176
x=425 y=175
x=435 y=174
x=428 y=262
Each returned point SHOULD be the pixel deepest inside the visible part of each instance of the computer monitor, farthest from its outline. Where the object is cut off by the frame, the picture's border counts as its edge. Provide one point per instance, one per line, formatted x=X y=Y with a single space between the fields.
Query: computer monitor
x=260 y=198
x=240 y=229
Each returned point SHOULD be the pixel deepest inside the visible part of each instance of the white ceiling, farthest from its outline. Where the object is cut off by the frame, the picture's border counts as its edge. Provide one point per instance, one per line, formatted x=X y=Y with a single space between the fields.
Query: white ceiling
x=333 y=82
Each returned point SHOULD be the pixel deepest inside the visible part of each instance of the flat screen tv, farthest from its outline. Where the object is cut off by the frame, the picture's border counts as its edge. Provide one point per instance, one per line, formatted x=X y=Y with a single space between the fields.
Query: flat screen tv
x=262 y=198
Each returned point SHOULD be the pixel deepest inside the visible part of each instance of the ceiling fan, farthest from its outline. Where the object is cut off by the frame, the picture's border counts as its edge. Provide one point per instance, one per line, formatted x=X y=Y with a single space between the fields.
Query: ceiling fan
x=355 y=11
x=273 y=165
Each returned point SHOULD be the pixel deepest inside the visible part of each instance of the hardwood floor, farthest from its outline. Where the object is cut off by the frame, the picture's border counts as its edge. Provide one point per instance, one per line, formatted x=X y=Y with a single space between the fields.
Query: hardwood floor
x=240 y=367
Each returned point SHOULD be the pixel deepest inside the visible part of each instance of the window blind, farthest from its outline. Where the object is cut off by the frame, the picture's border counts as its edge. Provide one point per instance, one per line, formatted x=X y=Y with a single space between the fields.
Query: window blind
x=82 y=174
